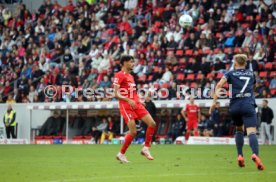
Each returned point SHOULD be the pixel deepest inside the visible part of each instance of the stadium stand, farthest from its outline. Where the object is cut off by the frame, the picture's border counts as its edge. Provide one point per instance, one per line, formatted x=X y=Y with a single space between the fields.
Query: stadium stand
x=80 y=44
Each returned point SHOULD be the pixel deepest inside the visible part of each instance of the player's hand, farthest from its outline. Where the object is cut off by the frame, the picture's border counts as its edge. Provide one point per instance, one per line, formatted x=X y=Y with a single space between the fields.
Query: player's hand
x=212 y=108
x=132 y=103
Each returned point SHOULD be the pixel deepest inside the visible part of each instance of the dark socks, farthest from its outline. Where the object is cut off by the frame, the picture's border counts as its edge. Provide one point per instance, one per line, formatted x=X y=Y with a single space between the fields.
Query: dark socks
x=253 y=142
x=239 y=137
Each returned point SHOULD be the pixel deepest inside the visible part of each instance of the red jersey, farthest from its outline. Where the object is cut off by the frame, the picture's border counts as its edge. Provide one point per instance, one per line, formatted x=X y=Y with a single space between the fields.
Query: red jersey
x=192 y=112
x=127 y=86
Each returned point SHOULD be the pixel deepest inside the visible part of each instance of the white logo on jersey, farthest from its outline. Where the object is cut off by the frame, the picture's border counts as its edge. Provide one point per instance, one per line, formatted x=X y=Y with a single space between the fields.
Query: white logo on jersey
x=131 y=84
x=116 y=80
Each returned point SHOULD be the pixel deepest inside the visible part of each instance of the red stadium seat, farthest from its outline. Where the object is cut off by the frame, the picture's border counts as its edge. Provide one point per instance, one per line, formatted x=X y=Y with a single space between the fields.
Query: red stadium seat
x=182 y=61
x=272 y=74
x=165 y=85
x=175 y=68
x=210 y=75
x=190 y=76
x=219 y=75
x=180 y=77
x=200 y=51
x=77 y=137
x=39 y=137
x=207 y=51
x=48 y=137
x=237 y=50
x=156 y=69
x=268 y=66
x=142 y=78
x=189 y=52
x=88 y=137
x=227 y=34
x=179 y=53
x=150 y=77
x=216 y=51
x=193 y=85
x=157 y=23
x=245 y=25
x=199 y=76
x=170 y=52
x=249 y=18
x=227 y=50
x=263 y=74
x=218 y=35
x=273 y=92
x=156 y=86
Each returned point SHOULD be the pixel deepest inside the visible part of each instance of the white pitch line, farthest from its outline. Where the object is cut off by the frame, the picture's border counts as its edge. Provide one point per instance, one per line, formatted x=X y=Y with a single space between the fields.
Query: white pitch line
x=162 y=175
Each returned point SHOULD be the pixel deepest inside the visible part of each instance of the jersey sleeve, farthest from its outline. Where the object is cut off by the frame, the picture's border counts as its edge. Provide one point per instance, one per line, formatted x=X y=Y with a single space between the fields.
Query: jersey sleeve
x=227 y=76
x=118 y=79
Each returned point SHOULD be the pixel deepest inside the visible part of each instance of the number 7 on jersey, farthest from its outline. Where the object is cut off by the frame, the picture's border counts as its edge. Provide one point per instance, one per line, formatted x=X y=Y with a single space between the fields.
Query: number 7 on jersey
x=246 y=82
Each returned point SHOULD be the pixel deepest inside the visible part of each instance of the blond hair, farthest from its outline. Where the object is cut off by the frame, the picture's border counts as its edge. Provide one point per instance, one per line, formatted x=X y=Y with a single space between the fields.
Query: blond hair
x=241 y=59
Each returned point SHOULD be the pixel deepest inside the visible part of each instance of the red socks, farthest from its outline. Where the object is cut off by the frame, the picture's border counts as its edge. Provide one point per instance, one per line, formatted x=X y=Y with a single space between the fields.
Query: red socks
x=149 y=134
x=196 y=133
x=187 y=135
x=128 y=140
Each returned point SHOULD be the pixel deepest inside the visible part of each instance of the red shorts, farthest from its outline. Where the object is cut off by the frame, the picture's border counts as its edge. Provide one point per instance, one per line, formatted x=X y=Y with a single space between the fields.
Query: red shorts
x=129 y=113
x=192 y=124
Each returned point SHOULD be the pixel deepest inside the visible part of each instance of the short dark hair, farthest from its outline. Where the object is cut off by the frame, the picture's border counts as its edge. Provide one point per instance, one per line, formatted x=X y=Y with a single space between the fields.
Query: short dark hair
x=266 y=101
x=125 y=58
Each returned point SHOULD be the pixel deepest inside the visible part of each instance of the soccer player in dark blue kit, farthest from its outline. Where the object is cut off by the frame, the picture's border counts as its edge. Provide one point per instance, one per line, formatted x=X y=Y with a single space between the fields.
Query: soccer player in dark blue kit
x=242 y=107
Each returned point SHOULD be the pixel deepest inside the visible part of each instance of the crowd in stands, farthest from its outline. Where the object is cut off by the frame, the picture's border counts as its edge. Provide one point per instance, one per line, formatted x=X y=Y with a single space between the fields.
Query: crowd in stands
x=80 y=45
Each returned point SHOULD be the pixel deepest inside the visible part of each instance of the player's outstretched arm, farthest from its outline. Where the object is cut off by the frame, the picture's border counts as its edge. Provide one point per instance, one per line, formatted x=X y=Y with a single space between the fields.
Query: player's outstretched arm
x=217 y=93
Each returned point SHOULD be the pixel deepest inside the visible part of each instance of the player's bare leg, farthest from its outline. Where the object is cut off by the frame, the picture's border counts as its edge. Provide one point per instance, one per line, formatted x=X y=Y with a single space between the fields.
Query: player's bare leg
x=253 y=142
x=187 y=135
x=239 y=137
x=128 y=139
x=150 y=131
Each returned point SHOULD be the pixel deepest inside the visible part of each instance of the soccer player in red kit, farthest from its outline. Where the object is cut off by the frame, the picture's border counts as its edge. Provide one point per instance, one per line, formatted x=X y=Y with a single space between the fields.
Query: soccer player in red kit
x=191 y=114
x=131 y=108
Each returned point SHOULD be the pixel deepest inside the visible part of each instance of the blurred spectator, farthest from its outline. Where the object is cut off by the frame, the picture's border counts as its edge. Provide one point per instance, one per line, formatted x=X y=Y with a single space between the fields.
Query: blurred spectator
x=205 y=126
x=99 y=129
x=111 y=130
x=141 y=131
x=10 y=100
x=216 y=121
x=177 y=127
x=273 y=83
x=266 y=119
x=9 y=122
x=105 y=83
x=150 y=106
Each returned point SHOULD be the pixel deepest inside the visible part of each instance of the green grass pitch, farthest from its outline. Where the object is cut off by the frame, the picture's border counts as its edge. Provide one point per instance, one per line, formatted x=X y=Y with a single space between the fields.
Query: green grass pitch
x=173 y=163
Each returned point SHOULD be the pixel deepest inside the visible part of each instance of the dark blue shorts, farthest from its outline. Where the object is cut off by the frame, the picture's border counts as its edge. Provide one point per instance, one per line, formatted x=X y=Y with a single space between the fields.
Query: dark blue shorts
x=243 y=113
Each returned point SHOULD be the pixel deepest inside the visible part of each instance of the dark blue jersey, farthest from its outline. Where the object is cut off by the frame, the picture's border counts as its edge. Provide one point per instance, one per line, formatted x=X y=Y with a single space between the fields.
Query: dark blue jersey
x=242 y=82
